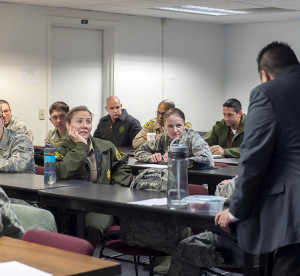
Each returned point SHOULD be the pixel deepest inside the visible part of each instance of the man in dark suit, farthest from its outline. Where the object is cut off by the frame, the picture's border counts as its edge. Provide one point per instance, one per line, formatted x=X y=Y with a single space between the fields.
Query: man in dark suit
x=267 y=194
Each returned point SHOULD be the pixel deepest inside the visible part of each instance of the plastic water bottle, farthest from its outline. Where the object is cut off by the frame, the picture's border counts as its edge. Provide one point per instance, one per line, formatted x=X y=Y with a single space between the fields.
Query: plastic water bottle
x=49 y=165
x=177 y=176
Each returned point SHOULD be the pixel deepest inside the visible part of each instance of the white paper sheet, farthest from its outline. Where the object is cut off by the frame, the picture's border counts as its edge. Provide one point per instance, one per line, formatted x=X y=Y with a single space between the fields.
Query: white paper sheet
x=151 y=202
x=15 y=268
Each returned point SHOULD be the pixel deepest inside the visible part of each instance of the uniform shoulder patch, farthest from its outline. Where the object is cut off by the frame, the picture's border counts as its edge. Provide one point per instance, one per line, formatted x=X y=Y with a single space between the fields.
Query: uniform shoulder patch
x=148 y=124
x=118 y=154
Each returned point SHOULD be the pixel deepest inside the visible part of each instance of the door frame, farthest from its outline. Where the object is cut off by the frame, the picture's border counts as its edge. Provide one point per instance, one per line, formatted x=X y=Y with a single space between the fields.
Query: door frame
x=109 y=42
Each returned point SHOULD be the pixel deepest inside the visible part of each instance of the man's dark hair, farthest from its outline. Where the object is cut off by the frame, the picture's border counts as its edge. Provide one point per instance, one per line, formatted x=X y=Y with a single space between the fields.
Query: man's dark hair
x=233 y=103
x=58 y=106
x=276 y=57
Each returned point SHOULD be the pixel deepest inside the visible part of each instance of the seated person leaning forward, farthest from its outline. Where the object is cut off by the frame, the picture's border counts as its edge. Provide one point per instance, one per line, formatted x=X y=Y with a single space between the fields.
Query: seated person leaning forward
x=157 y=150
x=81 y=156
x=226 y=136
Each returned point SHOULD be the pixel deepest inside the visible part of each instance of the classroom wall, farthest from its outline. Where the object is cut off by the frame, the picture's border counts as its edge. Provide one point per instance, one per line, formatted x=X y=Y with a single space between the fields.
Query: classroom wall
x=242 y=42
x=154 y=60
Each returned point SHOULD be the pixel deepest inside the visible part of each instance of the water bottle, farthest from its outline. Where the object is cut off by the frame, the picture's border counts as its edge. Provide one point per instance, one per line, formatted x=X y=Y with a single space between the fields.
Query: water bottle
x=49 y=165
x=177 y=175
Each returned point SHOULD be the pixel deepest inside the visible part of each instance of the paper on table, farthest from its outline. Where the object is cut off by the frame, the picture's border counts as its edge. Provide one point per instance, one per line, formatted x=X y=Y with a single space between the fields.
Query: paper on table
x=157 y=166
x=151 y=202
x=15 y=268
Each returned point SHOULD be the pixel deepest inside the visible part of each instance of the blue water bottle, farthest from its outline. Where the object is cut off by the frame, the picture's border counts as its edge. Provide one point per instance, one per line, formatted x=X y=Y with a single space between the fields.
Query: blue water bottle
x=49 y=165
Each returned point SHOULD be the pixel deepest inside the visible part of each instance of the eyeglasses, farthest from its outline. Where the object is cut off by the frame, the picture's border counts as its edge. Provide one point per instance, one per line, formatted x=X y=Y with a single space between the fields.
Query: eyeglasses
x=6 y=111
x=162 y=114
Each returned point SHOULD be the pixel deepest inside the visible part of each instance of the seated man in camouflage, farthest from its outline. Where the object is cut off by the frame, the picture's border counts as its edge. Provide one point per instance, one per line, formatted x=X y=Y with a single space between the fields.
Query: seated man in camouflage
x=16 y=156
x=58 y=117
x=12 y=122
x=207 y=249
x=16 y=219
x=16 y=150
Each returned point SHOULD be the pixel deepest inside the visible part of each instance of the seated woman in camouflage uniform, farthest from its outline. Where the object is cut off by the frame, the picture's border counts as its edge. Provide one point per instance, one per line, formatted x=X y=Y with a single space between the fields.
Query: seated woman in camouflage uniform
x=157 y=150
x=158 y=235
x=81 y=156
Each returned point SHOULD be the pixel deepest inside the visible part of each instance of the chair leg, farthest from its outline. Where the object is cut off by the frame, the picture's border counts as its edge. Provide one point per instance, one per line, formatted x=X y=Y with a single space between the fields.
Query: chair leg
x=151 y=273
x=135 y=266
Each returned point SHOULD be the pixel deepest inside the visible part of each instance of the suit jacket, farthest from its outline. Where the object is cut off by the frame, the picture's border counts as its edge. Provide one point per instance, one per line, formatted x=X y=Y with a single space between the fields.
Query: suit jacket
x=267 y=194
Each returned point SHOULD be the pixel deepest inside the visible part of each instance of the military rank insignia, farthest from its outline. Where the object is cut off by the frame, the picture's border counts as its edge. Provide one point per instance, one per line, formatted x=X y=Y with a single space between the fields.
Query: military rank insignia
x=121 y=129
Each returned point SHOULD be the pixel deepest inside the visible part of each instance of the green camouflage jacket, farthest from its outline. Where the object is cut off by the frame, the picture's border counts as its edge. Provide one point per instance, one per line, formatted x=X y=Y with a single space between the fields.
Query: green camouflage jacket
x=16 y=152
x=71 y=162
x=53 y=137
x=198 y=149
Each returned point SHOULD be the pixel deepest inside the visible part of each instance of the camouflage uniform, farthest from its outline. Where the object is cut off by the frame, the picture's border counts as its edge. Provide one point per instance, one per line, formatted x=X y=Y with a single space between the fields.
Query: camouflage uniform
x=151 y=126
x=18 y=125
x=9 y=224
x=16 y=152
x=198 y=149
x=207 y=249
x=53 y=136
x=156 y=235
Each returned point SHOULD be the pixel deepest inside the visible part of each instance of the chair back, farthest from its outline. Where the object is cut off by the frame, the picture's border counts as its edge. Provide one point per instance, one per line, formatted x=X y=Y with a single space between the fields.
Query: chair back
x=60 y=241
x=195 y=189
x=223 y=165
x=39 y=170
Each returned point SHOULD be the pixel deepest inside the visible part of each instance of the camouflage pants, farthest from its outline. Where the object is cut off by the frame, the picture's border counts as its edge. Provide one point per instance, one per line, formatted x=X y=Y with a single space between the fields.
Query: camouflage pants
x=155 y=235
x=204 y=250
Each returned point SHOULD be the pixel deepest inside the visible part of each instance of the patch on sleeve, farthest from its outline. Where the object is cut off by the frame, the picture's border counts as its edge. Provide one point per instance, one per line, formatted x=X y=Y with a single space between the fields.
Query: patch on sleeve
x=108 y=174
x=118 y=154
x=58 y=154
x=148 y=124
x=188 y=125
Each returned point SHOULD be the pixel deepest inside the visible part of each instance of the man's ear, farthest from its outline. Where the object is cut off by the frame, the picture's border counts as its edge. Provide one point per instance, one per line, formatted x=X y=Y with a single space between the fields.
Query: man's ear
x=265 y=76
x=106 y=108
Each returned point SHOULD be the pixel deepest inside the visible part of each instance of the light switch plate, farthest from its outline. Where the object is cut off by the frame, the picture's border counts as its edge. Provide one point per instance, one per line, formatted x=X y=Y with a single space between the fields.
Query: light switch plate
x=41 y=114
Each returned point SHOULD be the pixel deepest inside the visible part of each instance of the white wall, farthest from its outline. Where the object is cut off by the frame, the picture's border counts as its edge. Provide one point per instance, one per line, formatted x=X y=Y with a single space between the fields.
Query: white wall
x=242 y=44
x=192 y=64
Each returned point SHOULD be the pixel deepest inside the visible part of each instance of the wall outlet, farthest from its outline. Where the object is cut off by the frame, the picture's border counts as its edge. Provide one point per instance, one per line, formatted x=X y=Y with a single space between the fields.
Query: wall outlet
x=41 y=114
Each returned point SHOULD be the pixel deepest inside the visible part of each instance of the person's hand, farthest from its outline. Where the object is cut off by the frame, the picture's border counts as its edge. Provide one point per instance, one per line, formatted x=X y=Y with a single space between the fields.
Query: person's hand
x=165 y=157
x=223 y=220
x=75 y=137
x=226 y=181
x=217 y=150
x=156 y=157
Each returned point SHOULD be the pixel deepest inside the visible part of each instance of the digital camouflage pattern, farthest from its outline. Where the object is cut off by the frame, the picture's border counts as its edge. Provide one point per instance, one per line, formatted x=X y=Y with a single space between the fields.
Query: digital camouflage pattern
x=16 y=153
x=18 y=125
x=159 y=236
x=207 y=249
x=197 y=148
x=156 y=235
x=226 y=190
x=151 y=180
x=53 y=136
x=204 y=250
x=9 y=224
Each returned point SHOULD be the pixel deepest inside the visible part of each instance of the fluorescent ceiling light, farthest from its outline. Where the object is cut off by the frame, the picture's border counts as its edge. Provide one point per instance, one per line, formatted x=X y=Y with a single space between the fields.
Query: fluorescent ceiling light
x=201 y=10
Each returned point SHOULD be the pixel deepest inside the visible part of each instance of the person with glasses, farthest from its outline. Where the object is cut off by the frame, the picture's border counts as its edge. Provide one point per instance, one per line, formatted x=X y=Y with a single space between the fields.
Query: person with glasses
x=117 y=126
x=12 y=122
x=58 y=117
x=16 y=149
x=155 y=125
